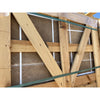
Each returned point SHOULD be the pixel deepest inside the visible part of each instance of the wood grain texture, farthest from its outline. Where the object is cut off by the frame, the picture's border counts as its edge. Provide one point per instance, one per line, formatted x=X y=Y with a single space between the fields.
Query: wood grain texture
x=53 y=85
x=5 y=56
x=5 y=42
x=64 y=52
x=75 y=17
x=26 y=46
x=5 y=77
x=80 y=53
x=96 y=53
x=36 y=40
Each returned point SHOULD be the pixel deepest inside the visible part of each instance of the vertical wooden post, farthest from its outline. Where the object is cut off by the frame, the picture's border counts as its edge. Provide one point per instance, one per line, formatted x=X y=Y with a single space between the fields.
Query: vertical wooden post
x=96 y=52
x=5 y=59
x=65 y=62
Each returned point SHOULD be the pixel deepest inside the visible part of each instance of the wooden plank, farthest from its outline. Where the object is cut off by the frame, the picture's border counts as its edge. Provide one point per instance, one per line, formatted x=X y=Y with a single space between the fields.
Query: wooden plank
x=53 y=85
x=96 y=53
x=90 y=14
x=5 y=42
x=21 y=46
x=79 y=56
x=64 y=52
x=93 y=84
x=55 y=47
x=26 y=46
x=36 y=40
x=75 y=17
x=5 y=77
x=48 y=84
x=5 y=56
x=80 y=82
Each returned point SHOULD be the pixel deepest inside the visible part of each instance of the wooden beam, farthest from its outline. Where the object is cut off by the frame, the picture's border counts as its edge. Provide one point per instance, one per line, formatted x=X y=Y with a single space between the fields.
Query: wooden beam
x=53 y=84
x=36 y=40
x=81 y=81
x=5 y=56
x=55 y=47
x=26 y=46
x=93 y=84
x=21 y=46
x=96 y=53
x=90 y=14
x=79 y=56
x=64 y=52
x=75 y=17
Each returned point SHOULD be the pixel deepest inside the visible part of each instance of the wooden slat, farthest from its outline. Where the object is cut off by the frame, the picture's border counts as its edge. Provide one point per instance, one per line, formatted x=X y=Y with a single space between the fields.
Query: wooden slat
x=26 y=46
x=36 y=40
x=75 y=17
x=54 y=47
x=21 y=46
x=81 y=81
x=5 y=56
x=96 y=53
x=64 y=52
x=79 y=56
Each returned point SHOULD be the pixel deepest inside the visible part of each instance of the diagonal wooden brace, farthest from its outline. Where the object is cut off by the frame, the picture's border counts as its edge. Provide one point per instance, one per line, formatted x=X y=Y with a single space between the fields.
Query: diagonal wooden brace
x=39 y=45
x=80 y=53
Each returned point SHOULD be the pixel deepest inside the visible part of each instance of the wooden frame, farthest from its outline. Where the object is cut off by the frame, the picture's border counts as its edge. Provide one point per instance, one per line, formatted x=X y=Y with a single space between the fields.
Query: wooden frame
x=81 y=48
x=36 y=44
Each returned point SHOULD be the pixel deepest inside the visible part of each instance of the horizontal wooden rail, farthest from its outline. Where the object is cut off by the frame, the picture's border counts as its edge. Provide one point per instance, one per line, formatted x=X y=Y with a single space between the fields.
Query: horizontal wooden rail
x=26 y=46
